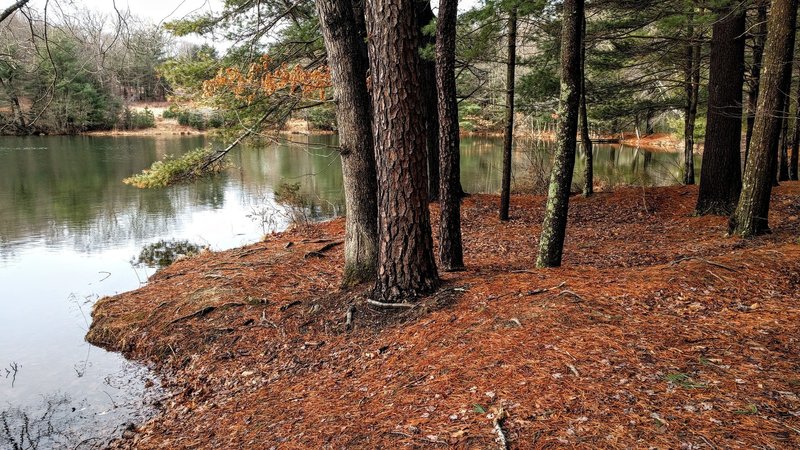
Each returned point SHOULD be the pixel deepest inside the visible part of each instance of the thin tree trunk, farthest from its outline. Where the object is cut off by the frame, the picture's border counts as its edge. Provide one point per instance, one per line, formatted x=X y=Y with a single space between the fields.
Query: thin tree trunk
x=783 y=170
x=19 y=116
x=751 y=215
x=430 y=105
x=721 y=172
x=508 y=141
x=406 y=265
x=793 y=162
x=348 y=64
x=759 y=37
x=586 y=140
x=551 y=242
x=692 y=87
x=451 y=254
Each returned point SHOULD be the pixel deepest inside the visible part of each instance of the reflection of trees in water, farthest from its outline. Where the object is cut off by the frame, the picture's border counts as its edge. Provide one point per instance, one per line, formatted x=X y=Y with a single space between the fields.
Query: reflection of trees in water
x=71 y=191
x=72 y=187
x=51 y=426
x=61 y=421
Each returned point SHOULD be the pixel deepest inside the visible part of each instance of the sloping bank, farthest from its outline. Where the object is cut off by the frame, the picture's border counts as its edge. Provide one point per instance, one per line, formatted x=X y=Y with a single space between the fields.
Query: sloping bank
x=658 y=332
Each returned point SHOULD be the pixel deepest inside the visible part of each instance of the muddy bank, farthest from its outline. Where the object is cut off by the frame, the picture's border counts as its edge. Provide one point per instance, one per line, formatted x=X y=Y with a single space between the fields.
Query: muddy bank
x=659 y=331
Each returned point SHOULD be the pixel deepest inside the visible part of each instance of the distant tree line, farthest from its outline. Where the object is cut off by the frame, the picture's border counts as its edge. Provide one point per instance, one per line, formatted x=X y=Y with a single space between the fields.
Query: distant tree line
x=68 y=71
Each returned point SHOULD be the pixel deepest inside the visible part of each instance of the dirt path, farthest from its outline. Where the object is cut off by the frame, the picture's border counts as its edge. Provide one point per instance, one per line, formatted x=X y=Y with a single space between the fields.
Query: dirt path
x=659 y=331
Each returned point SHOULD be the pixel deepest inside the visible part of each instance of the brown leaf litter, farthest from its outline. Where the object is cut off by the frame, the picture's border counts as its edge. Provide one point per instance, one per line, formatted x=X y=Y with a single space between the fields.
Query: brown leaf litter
x=658 y=332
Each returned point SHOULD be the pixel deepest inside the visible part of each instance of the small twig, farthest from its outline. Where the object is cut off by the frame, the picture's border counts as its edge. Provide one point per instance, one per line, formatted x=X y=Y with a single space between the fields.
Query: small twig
x=723 y=266
x=499 y=418
x=792 y=428
x=715 y=276
x=568 y=292
x=348 y=324
x=687 y=258
x=708 y=442
x=390 y=305
x=321 y=251
x=574 y=370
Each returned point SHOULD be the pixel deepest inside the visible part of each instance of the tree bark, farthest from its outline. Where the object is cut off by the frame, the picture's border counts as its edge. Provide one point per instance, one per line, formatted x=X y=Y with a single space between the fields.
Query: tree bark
x=348 y=64
x=508 y=139
x=793 y=162
x=406 y=266
x=430 y=105
x=721 y=172
x=751 y=215
x=586 y=141
x=759 y=37
x=12 y=9
x=783 y=170
x=551 y=242
x=451 y=254
x=692 y=88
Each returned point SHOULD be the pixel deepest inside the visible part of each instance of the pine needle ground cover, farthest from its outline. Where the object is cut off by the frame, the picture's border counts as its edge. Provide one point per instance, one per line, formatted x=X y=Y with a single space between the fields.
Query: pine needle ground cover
x=658 y=332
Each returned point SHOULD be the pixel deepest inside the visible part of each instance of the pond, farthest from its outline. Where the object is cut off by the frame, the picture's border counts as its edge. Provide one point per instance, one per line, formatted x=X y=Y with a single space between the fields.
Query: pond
x=70 y=232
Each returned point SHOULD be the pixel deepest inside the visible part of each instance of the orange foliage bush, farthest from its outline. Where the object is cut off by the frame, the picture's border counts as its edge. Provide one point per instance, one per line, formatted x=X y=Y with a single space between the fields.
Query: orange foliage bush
x=261 y=80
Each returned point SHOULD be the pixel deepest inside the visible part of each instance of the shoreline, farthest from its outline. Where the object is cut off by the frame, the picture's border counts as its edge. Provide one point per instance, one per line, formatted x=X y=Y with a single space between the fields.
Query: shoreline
x=252 y=342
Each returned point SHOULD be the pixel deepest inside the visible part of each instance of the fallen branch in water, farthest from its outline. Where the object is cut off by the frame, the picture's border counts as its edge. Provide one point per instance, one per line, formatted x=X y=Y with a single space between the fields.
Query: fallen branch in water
x=203 y=161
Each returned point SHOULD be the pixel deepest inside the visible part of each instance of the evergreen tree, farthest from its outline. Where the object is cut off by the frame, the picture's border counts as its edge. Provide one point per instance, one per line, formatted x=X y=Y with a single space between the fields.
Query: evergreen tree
x=751 y=214
x=721 y=177
x=551 y=242
x=406 y=266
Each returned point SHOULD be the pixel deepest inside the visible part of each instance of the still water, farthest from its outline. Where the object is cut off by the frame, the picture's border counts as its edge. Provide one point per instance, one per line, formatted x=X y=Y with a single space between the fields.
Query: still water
x=69 y=230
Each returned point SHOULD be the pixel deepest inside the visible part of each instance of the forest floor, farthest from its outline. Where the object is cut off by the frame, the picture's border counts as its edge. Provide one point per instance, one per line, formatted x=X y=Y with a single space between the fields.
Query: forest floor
x=658 y=332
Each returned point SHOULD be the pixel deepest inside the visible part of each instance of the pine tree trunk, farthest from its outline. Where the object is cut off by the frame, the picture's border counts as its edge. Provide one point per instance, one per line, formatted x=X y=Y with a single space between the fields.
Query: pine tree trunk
x=508 y=140
x=586 y=140
x=793 y=162
x=451 y=254
x=783 y=170
x=721 y=172
x=551 y=242
x=406 y=266
x=348 y=64
x=751 y=215
x=430 y=105
x=759 y=37
x=692 y=87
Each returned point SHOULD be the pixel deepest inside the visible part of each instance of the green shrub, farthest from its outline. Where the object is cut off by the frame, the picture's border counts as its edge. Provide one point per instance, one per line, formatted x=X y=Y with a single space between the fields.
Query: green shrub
x=136 y=120
x=199 y=120
x=171 y=112
x=322 y=118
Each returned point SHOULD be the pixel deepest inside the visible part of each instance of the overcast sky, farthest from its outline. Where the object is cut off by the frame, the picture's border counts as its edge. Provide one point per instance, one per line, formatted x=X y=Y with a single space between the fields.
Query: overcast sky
x=154 y=10
x=158 y=11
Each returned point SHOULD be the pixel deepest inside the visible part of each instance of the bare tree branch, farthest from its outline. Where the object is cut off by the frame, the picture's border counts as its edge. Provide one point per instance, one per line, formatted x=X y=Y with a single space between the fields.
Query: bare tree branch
x=11 y=9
